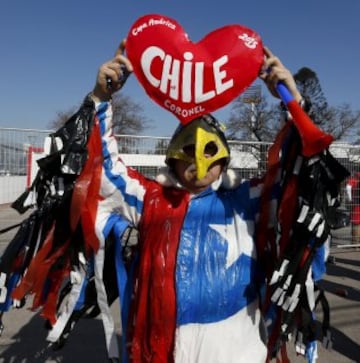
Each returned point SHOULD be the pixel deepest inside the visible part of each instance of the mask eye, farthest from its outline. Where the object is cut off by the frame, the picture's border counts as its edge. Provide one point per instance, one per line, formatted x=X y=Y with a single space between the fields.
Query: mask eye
x=211 y=148
x=189 y=150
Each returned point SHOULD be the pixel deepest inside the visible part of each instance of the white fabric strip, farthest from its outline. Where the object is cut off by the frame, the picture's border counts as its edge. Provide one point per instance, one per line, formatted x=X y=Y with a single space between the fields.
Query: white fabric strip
x=67 y=309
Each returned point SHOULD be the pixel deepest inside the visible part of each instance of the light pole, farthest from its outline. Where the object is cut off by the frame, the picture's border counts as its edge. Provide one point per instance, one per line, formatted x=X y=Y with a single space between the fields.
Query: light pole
x=252 y=96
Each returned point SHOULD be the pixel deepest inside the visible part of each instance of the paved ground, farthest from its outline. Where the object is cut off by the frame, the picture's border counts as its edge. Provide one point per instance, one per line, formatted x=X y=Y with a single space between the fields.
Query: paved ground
x=23 y=340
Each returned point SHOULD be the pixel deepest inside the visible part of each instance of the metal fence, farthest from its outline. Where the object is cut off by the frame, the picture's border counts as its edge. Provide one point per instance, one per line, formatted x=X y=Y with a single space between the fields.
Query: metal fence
x=14 y=148
x=147 y=155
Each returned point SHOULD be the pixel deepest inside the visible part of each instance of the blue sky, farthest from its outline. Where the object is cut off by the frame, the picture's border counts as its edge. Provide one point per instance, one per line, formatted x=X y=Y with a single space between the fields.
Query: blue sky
x=51 y=50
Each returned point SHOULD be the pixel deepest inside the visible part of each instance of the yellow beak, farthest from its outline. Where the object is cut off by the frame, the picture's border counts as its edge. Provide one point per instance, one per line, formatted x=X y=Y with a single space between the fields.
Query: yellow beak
x=202 y=160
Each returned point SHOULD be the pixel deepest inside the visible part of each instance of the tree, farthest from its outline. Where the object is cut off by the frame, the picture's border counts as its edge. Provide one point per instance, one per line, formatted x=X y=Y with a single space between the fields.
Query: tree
x=309 y=86
x=338 y=121
x=348 y=121
x=128 y=117
x=61 y=118
x=255 y=119
x=252 y=118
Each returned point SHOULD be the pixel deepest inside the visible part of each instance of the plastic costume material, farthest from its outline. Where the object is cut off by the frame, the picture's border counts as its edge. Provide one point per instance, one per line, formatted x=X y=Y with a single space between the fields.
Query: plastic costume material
x=310 y=188
x=55 y=255
x=203 y=277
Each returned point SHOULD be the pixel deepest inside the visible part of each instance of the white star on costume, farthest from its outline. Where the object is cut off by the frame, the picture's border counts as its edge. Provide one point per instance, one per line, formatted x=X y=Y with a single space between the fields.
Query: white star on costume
x=238 y=235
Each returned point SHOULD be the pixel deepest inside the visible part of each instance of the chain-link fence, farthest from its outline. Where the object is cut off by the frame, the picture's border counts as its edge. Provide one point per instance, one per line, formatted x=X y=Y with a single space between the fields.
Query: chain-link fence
x=18 y=148
x=14 y=147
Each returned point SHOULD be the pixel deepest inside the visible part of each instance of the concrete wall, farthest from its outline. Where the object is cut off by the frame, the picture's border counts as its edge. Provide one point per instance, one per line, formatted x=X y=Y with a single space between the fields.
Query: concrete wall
x=11 y=187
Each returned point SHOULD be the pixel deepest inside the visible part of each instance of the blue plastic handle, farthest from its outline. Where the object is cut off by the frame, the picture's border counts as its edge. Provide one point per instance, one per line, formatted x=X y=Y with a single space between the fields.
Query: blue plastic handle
x=284 y=93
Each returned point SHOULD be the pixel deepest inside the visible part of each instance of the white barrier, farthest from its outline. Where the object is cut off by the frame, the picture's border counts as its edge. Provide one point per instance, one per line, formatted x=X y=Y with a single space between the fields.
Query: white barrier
x=11 y=187
x=143 y=160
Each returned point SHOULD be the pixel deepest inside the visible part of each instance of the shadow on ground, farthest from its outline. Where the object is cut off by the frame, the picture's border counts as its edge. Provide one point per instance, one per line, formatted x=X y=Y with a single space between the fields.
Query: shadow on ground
x=341 y=286
x=28 y=345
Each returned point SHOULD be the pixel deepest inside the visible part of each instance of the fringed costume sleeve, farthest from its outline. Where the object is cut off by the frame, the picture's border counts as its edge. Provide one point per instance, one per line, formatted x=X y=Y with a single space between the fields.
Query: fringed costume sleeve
x=291 y=234
x=67 y=252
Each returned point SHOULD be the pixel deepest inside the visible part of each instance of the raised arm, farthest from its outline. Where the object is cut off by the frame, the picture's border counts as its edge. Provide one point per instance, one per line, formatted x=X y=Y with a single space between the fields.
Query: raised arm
x=274 y=71
x=112 y=75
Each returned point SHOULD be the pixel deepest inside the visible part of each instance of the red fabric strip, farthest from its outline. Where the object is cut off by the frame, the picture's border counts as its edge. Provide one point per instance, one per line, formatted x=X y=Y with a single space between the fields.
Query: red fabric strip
x=269 y=181
x=85 y=196
x=36 y=269
x=151 y=336
x=313 y=139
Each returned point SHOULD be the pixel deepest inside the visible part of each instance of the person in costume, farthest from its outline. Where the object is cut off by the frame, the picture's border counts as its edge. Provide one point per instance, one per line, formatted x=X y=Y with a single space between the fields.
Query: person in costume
x=197 y=289
x=196 y=284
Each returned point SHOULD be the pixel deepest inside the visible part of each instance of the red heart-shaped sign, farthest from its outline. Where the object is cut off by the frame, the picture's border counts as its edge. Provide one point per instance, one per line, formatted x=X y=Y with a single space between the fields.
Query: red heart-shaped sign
x=191 y=79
